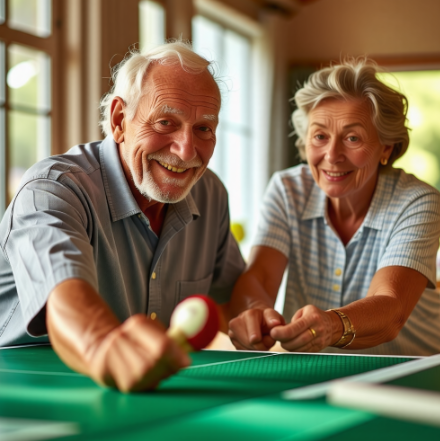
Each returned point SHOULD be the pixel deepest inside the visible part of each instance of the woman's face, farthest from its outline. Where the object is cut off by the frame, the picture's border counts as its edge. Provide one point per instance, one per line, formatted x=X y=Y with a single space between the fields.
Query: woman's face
x=343 y=148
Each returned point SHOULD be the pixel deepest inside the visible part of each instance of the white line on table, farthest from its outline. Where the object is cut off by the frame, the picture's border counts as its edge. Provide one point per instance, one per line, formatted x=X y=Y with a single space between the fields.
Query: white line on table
x=17 y=371
x=14 y=371
x=231 y=361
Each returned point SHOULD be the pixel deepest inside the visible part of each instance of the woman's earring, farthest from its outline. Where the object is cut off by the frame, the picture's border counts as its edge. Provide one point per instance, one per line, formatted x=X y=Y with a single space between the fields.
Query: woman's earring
x=384 y=161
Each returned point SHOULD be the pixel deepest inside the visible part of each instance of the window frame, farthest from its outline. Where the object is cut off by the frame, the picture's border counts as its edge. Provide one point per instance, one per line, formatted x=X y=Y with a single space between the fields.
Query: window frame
x=51 y=46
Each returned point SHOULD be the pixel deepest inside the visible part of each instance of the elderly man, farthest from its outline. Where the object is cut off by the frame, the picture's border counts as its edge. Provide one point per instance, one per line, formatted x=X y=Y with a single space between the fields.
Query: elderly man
x=102 y=240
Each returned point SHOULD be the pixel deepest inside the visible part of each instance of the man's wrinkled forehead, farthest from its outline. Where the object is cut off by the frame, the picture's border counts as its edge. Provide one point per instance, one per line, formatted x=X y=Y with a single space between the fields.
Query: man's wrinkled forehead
x=162 y=96
x=165 y=83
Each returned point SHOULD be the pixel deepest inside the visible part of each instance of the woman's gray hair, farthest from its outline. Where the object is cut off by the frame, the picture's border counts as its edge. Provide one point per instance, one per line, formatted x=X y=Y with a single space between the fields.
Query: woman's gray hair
x=129 y=75
x=351 y=79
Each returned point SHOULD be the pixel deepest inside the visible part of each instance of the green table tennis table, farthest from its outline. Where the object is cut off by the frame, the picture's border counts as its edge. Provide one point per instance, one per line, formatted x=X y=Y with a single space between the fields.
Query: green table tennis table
x=223 y=396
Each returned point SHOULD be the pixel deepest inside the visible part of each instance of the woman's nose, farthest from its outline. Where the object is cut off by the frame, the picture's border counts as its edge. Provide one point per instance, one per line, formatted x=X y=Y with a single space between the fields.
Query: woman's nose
x=335 y=151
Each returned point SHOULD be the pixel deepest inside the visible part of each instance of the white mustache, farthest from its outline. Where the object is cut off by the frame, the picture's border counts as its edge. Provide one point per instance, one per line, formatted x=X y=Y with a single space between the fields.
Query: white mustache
x=174 y=160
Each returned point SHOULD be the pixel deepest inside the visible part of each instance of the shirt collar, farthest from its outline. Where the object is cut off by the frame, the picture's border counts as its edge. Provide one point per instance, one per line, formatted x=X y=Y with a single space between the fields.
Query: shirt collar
x=381 y=198
x=186 y=209
x=316 y=205
x=120 y=199
x=119 y=196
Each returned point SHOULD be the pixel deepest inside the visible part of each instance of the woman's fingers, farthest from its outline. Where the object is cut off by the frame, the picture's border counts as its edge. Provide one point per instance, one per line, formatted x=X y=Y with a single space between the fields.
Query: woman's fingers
x=250 y=330
x=309 y=331
x=245 y=329
x=272 y=318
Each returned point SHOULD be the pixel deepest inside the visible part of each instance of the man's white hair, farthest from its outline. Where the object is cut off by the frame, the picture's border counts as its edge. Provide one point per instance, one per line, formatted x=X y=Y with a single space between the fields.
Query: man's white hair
x=130 y=74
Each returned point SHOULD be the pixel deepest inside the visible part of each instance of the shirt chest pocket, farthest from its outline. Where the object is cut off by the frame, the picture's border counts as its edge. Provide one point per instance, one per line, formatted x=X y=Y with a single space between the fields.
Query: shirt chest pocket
x=188 y=288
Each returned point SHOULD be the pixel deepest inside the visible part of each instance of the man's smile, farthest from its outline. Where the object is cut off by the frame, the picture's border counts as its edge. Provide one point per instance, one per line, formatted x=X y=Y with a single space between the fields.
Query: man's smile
x=171 y=168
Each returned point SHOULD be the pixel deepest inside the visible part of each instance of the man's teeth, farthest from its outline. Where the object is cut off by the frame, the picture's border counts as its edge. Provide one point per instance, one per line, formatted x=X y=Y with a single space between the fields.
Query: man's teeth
x=171 y=168
x=335 y=175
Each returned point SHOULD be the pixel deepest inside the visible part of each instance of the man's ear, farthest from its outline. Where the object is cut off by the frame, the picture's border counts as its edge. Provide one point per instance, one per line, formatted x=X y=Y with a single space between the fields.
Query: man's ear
x=117 y=119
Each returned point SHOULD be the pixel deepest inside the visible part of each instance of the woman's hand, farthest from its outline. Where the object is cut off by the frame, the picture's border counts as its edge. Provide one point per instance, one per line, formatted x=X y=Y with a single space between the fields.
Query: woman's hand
x=310 y=330
x=251 y=329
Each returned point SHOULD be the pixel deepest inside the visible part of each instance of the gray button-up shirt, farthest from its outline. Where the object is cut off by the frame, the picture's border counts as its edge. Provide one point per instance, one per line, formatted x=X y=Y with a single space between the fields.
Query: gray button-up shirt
x=75 y=217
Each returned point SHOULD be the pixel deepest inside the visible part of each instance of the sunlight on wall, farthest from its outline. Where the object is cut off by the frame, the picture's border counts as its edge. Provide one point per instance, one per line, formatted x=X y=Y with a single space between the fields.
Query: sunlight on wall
x=422 y=88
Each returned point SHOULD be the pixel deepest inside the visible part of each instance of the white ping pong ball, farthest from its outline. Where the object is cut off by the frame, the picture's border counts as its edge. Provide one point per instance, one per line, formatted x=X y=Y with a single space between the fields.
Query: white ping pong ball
x=190 y=316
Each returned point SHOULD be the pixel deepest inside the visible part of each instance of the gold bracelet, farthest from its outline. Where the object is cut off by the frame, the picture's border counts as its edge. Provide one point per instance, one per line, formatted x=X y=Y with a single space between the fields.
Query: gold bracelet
x=349 y=332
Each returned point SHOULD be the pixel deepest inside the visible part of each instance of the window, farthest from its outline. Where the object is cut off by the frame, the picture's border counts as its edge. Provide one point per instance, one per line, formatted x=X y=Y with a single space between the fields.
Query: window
x=231 y=160
x=26 y=55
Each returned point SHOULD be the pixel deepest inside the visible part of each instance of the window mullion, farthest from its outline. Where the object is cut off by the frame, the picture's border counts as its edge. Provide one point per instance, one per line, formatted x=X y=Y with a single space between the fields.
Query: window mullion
x=13 y=35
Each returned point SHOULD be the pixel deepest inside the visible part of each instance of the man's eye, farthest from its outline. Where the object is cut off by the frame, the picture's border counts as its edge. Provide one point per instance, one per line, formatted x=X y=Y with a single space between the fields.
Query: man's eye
x=204 y=129
x=164 y=122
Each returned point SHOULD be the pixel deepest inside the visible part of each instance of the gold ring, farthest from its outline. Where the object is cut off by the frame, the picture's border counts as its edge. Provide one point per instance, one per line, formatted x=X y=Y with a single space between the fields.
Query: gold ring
x=313 y=332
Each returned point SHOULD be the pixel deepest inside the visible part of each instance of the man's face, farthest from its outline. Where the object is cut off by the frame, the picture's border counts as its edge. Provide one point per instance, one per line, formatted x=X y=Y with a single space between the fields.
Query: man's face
x=167 y=146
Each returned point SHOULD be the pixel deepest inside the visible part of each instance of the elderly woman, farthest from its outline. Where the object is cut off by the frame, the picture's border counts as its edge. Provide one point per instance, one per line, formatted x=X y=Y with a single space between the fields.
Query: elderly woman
x=357 y=236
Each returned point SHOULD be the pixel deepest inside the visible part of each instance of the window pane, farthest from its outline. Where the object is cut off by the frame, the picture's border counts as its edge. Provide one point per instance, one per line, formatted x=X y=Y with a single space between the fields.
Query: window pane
x=237 y=175
x=2 y=11
x=31 y=16
x=422 y=89
x=29 y=137
x=208 y=39
x=2 y=73
x=232 y=55
x=2 y=163
x=151 y=24
x=28 y=78
x=2 y=131
x=237 y=60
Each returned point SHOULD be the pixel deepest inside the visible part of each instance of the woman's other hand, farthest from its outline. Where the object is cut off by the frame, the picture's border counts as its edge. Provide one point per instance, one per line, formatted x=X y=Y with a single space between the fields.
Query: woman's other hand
x=253 y=299
x=251 y=329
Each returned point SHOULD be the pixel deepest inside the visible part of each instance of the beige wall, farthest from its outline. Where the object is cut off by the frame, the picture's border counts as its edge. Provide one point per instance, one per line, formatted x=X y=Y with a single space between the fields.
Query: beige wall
x=325 y=29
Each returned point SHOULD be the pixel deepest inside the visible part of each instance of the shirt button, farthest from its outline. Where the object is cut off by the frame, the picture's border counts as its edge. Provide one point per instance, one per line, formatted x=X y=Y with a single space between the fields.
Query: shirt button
x=153 y=316
x=338 y=272
x=336 y=287
x=153 y=276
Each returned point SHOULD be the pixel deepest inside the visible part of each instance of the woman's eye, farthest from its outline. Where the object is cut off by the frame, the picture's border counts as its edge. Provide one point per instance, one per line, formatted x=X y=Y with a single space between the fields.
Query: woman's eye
x=320 y=137
x=353 y=138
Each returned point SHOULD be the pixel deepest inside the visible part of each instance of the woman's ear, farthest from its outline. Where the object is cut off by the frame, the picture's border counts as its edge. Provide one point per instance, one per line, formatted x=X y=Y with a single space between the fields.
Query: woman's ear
x=388 y=150
x=117 y=119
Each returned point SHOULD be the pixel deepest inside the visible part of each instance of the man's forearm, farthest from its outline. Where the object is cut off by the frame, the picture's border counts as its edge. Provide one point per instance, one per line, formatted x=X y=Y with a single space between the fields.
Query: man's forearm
x=77 y=322
x=135 y=355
